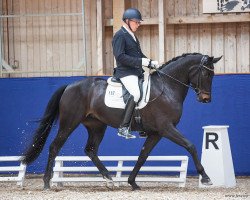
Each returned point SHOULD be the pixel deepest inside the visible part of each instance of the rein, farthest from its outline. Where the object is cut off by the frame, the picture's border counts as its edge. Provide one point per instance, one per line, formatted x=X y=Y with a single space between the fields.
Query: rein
x=178 y=81
x=147 y=87
x=196 y=89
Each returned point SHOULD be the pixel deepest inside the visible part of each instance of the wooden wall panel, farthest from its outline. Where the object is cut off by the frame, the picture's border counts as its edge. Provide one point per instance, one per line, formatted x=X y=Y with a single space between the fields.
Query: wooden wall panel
x=193 y=29
x=10 y=34
x=5 y=51
x=108 y=9
x=93 y=28
x=62 y=38
x=23 y=36
x=55 y=38
x=48 y=36
x=68 y=38
x=17 y=39
x=36 y=38
x=143 y=32
x=108 y=35
x=154 y=32
x=243 y=48
x=79 y=35
x=42 y=39
x=193 y=38
x=180 y=30
x=56 y=45
x=87 y=6
x=170 y=35
x=230 y=48
x=218 y=46
x=29 y=38
x=205 y=39
x=108 y=54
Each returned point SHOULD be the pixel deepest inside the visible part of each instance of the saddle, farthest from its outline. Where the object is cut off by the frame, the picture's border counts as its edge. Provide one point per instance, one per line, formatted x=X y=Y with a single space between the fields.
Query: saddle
x=125 y=92
x=116 y=94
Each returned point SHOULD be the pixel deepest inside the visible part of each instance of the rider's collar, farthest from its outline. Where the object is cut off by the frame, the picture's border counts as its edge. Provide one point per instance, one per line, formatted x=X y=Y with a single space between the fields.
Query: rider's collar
x=130 y=32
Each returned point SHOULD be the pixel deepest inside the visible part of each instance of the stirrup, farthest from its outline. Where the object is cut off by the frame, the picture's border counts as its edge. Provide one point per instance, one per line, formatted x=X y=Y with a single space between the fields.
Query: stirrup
x=124 y=132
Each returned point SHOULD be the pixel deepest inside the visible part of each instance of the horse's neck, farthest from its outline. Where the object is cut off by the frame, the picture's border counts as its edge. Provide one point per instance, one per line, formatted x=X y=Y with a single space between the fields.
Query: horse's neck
x=177 y=78
x=179 y=69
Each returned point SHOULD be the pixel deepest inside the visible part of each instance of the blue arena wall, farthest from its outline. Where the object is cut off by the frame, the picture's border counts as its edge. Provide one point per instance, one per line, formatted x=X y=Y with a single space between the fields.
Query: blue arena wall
x=23 y=101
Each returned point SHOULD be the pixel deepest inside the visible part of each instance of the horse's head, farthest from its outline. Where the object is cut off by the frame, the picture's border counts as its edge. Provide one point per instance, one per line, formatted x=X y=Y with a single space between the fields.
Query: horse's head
x=201 y=76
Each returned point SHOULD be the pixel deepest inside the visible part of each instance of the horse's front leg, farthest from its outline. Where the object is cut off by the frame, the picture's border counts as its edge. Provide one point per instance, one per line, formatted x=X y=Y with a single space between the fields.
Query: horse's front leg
x=149 y=144
x=174 y=135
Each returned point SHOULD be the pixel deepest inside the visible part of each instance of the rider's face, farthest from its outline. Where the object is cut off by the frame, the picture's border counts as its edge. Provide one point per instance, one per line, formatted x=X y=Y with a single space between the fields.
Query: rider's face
x=134 y=24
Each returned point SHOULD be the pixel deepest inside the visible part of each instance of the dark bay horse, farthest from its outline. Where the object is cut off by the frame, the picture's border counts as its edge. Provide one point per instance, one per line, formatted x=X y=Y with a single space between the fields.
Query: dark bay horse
x=83 y=102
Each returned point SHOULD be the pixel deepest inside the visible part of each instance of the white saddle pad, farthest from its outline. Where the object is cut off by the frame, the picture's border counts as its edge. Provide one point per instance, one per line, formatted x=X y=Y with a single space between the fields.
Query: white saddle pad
x=113 y=95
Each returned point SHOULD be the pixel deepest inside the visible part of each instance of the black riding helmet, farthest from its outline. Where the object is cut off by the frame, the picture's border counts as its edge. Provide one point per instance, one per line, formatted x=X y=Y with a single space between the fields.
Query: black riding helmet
x=132 y=13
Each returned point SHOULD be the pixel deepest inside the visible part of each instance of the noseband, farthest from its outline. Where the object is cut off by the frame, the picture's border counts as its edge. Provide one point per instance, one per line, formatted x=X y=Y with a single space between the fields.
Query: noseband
x=198 y=85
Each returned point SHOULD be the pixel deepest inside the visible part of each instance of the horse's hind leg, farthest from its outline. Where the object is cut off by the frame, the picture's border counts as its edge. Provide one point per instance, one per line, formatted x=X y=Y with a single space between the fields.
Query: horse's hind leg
x=96 y=130
x=66 y=127
x=174 y=135
x=149 y=144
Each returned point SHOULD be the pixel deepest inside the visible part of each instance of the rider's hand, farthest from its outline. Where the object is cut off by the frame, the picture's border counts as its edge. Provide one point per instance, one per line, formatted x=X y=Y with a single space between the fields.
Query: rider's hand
x=155 y=64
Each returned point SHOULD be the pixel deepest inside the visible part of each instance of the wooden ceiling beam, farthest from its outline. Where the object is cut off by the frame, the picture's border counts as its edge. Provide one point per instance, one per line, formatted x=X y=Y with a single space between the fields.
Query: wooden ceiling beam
x=193 y=19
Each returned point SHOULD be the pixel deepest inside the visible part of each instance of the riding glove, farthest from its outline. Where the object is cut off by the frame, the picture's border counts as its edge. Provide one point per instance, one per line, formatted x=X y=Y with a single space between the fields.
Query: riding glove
x=153 y=64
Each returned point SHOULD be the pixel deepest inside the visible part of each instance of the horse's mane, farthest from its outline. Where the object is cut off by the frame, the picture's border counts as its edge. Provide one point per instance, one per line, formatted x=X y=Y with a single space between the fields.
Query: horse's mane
x=176 y=58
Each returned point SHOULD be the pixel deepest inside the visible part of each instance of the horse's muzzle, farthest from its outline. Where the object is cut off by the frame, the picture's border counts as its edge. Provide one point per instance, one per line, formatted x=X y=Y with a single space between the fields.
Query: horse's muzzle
x=204 y=97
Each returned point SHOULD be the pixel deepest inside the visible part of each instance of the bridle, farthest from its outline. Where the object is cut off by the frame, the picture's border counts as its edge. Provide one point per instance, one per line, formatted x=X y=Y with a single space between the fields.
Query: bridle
x=198 y=85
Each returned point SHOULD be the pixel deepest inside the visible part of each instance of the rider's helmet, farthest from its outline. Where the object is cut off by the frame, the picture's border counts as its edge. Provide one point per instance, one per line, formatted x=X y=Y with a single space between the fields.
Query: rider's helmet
x=132 y=13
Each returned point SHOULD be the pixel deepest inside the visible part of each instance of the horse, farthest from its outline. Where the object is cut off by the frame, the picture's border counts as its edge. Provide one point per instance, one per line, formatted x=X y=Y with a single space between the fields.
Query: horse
x=82 y=102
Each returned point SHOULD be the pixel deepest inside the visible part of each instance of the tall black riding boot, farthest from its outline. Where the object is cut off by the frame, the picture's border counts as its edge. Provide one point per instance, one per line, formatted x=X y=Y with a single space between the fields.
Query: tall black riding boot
x=124 y=130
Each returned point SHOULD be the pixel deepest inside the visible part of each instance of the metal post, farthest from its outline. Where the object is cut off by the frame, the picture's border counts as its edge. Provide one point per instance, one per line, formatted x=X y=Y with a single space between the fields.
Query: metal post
x=84 y=37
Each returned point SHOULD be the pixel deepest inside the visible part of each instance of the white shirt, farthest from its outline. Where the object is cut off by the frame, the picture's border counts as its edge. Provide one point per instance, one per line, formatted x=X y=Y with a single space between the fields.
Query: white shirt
x=130 y=32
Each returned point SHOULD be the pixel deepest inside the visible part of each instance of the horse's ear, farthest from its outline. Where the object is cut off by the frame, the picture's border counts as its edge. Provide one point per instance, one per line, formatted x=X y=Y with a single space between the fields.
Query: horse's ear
x=215 y=60
x=210 y=59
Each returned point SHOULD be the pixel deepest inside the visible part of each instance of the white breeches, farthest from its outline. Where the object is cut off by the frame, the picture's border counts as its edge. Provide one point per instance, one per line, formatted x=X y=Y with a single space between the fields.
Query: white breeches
x=131 y=84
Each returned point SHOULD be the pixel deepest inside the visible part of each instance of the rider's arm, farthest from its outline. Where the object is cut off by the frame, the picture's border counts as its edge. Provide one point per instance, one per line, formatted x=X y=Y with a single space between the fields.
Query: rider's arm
x=119 y=45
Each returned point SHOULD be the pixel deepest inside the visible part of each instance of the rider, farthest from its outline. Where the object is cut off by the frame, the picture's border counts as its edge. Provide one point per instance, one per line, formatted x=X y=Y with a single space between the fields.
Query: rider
x=129 y=60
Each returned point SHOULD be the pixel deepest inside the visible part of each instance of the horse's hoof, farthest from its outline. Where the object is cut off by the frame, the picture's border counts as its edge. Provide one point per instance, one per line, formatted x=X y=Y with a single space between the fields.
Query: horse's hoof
x=135 y=188
x=206 y=181
x=46 y=187
x=109 y=183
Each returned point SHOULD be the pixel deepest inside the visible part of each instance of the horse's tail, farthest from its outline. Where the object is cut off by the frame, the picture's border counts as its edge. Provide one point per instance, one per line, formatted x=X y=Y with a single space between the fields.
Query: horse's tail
x=41 y=134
